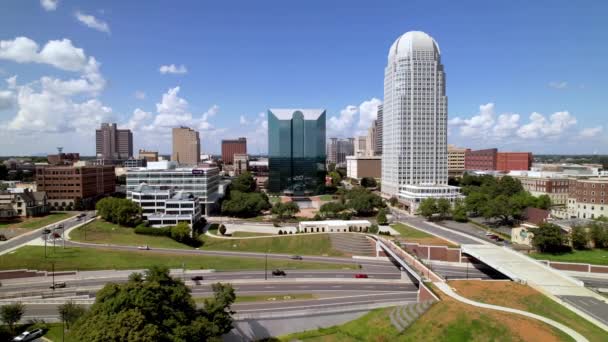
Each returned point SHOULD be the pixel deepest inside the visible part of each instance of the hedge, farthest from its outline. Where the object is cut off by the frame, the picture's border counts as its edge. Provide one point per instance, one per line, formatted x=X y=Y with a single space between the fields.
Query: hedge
x=164 y=231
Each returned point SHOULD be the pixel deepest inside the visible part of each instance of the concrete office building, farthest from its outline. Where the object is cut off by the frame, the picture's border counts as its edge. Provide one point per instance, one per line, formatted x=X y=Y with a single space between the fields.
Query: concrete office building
x=113 y=144
x=362 y=146
x=151 y=156
x=241 y=163
x=167 y=207
x=339 y=149
x=186 y=146
x=232 y=147
x=456 y=161
x=360 y=167
x=202 y=182
x=414 y=128
x=66 y=184
x=296 y=150
x=372 y=137
x=378 y=149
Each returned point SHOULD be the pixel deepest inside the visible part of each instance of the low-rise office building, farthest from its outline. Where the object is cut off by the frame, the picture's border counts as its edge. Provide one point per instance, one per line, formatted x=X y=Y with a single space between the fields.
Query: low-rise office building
x=202 y=182
x=358 y=167
x=64 y=185
x=456 y=157
x=167 y=207
x=554 y=185
x=334 y=226
x=588 y=198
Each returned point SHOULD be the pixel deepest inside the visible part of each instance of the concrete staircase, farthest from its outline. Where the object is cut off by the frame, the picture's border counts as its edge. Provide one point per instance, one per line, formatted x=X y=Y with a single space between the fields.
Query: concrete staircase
x=351 y=243
x=403 y=316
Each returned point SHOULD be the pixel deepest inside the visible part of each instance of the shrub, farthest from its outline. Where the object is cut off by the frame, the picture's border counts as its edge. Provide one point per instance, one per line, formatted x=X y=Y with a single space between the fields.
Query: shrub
x=222 y=229
x=142 y=229
x=280 y=232
x=373 y=229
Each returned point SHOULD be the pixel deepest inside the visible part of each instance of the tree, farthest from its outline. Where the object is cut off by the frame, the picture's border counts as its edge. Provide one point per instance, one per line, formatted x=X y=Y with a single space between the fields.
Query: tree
x=368 y=182
x=3 y=172
x=579 y=238
x=373 y=229
x=443 y=207
x=119 y=210
x=11 y=314
x=393 y=201
x=336 y=178
x=331 y=167
x=548 y=238
x=475 y=202
x=243 y=183
x=459 y=212
x=599 y=235
x=427 y=208
x=285 y=210
x=155 y=308
x=381 y=217
x=180 y=232
x=543 y=202
x=222 y=229
x=70 y=313
x=245 y=204
x=363 y=201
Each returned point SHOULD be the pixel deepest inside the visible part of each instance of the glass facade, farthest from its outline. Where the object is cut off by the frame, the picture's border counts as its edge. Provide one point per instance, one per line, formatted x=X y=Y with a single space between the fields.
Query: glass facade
x=296 y=150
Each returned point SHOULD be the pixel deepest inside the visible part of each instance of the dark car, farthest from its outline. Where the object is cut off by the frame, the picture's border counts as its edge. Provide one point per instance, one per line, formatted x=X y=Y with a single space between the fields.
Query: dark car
x=197 y=277
x=2 y=237
x=29 y=335
x=58 y=286
x=296 y=257
x=361 y=275
x=278 y=273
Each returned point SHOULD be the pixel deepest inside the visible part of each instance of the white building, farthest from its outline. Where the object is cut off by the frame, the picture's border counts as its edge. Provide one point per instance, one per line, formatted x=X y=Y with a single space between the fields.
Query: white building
x=202 y=182
x=166 y=207
x=334 y=226
x=415 y=115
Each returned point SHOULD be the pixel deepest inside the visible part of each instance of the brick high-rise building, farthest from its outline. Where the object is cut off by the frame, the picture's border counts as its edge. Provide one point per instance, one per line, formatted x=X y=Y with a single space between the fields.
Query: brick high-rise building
x=480 y=160
x=232 y=147
x=65 y=184
x=492 y=160
x=513 y=161
x=186 y=146
x=112 y=143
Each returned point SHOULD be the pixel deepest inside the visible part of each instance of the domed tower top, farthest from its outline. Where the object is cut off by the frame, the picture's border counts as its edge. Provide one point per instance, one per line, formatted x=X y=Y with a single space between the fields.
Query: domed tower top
x=412 y=41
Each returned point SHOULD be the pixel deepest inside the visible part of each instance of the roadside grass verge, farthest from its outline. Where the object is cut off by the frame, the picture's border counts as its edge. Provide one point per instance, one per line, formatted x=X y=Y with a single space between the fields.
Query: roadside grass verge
x=266 y=298
x=250 y=234
x=373 y=326
x=303 y=244
x=522 y=297
x=77 y=258
x=37 y=222
x=103 y=232
x=595 y=256
x=55 y=333
x=411 y=234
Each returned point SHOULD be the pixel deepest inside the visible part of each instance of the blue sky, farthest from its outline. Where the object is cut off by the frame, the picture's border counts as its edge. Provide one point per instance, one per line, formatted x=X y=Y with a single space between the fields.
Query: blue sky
x=521 y=75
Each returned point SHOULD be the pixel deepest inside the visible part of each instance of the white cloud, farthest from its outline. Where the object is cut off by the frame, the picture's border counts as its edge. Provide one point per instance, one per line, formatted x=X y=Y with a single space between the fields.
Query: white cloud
x=591 y=132
x=173 y=69
x=7 y=99
x=58 y=53
x=92 y=22
x=140 y=95
x=558 y=84
x=368 y=112
x=478 y=125
x=342 y=123
x=243 y=121
x=506 y=125
x=49 y=5
x=540 y=127
x=138 y=118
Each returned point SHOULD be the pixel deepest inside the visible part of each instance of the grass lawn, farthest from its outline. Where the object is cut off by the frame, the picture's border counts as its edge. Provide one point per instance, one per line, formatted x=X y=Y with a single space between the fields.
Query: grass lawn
x=266 y=298
x=592 y=256
x=100 y=231
x=373 y=326
x=522 y=297
x=37 y=222
x=250 y=234
x=326 y=198
x=450 y=320
x=75 y=258
x=411 y=234
x=317 y=244
x=54 y=334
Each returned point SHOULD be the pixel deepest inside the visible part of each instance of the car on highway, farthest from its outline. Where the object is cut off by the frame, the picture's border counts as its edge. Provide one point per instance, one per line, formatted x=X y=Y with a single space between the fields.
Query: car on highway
x=80 y=216
x=296 y=257
x=3 y=237
x=144 y=247
x=279 y=273
x=58 y=286
x=29 y=335
x=197 y=278
x=361 y=275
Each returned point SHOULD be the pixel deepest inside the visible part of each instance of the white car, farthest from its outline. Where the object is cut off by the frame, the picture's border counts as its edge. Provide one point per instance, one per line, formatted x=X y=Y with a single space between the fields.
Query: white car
x=29 y=335
x=145 y=248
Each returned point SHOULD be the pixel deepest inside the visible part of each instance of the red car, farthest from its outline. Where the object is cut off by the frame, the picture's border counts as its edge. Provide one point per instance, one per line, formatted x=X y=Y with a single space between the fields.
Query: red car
x=361 y=275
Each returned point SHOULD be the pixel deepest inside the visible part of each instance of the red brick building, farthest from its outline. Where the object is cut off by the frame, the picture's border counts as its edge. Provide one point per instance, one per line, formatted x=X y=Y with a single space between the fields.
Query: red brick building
x=513 y=161
x=492 y=160
x=65 y=184
x=232 y=147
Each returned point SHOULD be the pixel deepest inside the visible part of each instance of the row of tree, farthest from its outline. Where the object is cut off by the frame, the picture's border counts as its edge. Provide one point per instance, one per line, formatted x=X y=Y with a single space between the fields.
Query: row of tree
x=242 y=199
x=150 y=307
x=550 y=238
x=358 y=201
x=119 y=211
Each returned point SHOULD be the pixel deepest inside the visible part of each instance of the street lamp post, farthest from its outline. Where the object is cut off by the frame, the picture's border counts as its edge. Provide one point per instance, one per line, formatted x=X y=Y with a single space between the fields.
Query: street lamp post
x=45 y=234
x=53 y=274
x=266 y=266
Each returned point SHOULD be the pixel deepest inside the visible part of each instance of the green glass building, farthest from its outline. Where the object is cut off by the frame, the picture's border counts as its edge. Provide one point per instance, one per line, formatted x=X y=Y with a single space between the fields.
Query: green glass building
x=296 y=151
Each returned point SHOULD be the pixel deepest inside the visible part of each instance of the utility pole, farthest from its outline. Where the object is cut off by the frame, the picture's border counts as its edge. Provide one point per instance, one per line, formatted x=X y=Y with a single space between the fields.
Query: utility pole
x=53 y=236
x=266 y=267
x=53 y=270
x=63 y=235
x=45 y=238
x=467 y=270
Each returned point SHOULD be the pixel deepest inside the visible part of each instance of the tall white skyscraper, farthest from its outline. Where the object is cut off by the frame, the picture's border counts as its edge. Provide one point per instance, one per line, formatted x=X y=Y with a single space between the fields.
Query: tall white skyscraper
x=414 y=127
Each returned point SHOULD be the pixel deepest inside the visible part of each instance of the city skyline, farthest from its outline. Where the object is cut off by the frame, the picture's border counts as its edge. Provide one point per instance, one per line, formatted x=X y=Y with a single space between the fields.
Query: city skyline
x=65 y=71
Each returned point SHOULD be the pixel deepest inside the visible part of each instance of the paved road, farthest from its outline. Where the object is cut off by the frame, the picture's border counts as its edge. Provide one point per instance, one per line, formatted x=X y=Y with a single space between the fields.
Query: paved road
x=420 y=223
x=591 y=306
x=459 y=272
x=594 y=282
x=25 y=238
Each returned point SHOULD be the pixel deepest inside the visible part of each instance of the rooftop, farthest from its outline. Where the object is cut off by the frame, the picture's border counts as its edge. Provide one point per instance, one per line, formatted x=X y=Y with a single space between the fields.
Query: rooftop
x=412 y=41
x=287 y=113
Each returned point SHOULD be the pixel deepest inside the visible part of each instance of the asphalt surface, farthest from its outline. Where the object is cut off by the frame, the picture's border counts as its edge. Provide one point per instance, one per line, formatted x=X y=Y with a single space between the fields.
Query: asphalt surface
x=25 y=238
x=594 y=282
x=591 y=306
x=467 y=272
x=420 y=223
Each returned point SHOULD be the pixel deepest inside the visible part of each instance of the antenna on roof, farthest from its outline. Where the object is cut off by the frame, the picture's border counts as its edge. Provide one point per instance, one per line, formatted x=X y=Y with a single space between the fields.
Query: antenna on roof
x=59 y=149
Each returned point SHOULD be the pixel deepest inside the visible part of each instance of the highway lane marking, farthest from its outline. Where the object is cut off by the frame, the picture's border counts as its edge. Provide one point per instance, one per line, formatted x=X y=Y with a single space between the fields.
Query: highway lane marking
x=269 y=287
x=309 y=306
x=336 y=286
